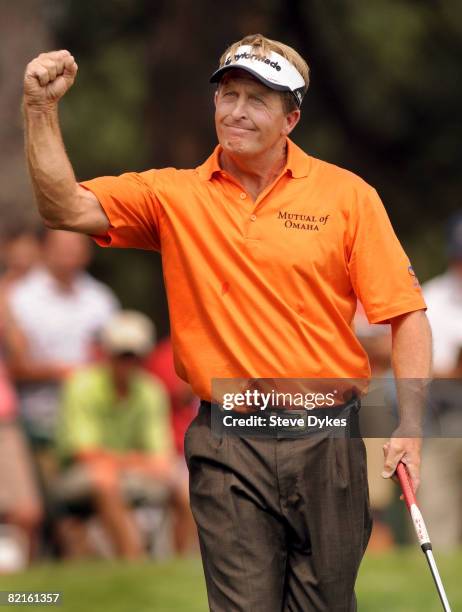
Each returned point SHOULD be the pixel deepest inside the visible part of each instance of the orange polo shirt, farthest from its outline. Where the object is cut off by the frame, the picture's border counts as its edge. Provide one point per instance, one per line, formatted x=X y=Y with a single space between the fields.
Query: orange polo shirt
x=265 y=288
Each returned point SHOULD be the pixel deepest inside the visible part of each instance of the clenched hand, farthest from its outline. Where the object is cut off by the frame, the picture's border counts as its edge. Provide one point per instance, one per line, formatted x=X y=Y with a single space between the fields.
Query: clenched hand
x=47 y=79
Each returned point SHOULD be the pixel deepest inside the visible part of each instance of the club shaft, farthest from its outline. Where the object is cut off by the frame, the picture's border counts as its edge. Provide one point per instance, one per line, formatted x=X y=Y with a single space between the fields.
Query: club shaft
x=437 y=579
x=421 y=530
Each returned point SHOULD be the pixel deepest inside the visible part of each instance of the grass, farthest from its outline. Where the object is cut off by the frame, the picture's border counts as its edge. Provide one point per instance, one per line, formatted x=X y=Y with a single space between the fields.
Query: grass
x=401 y=582
x=398 y=582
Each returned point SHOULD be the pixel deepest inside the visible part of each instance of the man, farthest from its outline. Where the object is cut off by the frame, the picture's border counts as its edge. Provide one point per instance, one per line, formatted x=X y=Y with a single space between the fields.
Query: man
x=443 y=295
x=441 y=491
x=57 y=310
x=20 y=250
x=264 y=248
x=20 y=502
x=114 y=433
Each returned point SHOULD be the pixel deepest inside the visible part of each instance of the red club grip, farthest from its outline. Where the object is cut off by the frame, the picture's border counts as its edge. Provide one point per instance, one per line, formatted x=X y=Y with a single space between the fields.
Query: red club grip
x=406 y=485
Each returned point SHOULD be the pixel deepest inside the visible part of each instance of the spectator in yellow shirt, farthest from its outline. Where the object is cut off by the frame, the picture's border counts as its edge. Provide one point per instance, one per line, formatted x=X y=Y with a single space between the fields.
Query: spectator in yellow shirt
x=114 y=435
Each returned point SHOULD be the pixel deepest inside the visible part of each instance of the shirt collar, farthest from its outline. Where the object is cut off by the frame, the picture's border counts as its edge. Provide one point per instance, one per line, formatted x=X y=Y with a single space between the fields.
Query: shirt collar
x=298 y=162
x=211 y=165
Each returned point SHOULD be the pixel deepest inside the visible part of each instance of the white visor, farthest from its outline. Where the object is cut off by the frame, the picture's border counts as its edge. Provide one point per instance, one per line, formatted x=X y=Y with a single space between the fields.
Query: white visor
x=272 y=70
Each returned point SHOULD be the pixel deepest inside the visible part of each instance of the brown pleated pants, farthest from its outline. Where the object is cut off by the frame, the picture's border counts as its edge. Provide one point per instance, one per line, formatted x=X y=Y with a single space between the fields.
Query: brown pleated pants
x=283 y=523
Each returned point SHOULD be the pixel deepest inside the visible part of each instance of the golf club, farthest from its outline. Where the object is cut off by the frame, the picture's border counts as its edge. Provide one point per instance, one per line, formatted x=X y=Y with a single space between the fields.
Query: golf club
x=420 y=529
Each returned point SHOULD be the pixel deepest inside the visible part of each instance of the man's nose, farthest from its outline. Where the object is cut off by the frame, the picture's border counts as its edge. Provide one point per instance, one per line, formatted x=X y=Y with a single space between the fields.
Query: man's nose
x=239 y=110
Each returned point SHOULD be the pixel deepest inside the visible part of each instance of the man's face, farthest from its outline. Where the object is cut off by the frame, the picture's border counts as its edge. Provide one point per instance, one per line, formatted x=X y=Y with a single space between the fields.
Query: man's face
x=124 y=366
x=21 y=254
x=66 y=253
x=249 y=117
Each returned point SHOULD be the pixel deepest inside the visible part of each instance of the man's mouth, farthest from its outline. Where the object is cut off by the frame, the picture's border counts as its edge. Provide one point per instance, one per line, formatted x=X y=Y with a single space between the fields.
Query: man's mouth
x=238 y=128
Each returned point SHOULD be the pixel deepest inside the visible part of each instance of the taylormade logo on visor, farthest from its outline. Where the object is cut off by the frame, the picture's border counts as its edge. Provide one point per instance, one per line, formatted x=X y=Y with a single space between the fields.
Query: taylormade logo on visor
x=272 y=69
x=253 y=56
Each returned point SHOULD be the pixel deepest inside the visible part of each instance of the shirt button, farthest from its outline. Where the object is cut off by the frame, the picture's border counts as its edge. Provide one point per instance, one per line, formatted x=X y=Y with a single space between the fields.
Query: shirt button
x=253 y=218
x=243 y=196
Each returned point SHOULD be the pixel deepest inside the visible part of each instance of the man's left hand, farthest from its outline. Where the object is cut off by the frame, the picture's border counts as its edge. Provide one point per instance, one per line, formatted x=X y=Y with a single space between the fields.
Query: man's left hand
x=406 y=450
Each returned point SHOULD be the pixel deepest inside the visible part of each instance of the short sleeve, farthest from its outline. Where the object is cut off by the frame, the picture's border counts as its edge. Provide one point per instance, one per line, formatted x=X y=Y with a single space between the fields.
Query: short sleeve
x=380 y=271
x=132 y=209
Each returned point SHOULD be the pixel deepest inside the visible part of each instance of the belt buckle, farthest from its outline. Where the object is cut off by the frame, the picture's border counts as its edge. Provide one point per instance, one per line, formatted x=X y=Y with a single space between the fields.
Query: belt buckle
x=290 y=430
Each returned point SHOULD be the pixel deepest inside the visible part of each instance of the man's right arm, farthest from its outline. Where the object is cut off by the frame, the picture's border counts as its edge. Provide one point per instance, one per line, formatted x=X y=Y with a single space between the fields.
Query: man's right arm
x=62 y=202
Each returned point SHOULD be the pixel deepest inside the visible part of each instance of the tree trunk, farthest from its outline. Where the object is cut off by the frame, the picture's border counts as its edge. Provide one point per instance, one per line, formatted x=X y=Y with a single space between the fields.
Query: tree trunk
x=24 y=34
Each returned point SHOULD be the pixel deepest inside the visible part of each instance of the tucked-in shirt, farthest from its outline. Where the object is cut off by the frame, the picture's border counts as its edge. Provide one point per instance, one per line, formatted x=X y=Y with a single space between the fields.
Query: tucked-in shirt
x=264 y=288
x=92 y=416
x=183 y=406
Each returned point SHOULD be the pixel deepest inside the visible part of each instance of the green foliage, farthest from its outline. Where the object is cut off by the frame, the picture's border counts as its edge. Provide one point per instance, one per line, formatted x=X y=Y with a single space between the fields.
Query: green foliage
x=384 y=99
x=101 y=115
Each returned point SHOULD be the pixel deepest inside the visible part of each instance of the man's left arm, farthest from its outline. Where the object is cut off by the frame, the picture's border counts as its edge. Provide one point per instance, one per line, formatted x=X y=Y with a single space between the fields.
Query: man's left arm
x=411 y=360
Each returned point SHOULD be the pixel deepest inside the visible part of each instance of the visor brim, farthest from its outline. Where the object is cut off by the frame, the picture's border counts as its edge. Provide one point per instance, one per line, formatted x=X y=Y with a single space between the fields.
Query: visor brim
x=216 y=77
x=297 y=94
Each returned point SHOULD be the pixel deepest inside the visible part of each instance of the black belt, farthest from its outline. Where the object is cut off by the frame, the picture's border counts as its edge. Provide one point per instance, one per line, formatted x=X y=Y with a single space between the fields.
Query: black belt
x=279 y=423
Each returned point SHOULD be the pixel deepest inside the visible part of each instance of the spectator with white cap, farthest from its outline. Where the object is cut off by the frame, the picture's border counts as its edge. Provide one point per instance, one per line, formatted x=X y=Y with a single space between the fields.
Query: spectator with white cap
x=114 y=434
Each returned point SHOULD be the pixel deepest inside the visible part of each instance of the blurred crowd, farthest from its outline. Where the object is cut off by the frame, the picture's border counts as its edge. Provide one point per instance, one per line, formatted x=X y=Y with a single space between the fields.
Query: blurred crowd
x=440 y=492
x=92 y=414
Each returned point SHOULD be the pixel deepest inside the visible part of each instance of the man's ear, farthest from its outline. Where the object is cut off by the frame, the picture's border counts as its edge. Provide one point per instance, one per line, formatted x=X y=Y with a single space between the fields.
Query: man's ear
x=291 y=120
x=215 y=96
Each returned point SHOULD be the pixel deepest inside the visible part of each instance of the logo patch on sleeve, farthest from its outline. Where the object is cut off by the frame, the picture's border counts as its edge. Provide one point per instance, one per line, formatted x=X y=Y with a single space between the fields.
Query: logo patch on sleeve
x=416 y=283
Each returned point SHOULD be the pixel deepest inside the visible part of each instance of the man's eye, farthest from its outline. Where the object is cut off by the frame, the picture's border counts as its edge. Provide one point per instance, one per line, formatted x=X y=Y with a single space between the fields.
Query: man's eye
x=256 y=99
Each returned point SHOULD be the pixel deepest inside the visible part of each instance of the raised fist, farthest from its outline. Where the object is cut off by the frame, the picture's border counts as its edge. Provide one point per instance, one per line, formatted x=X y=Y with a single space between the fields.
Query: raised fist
x=48 y=77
